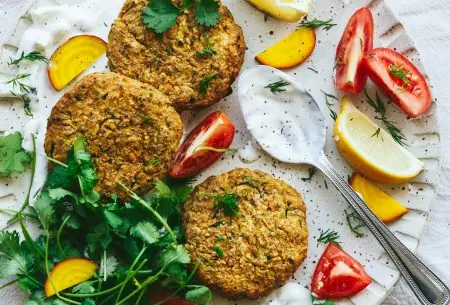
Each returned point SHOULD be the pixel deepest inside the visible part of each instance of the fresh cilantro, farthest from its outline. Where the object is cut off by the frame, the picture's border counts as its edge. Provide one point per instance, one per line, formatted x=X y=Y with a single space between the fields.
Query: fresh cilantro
x=207 y=12
x=199 y=295
x=207 y=49
x=228 y=203
x=107 y=266
x=146 y=231
x=206 y=81
x=316 y=301
x=13 y=157
x=161 y=15
x=174 y=254
x=219 y=251
x=83 y=288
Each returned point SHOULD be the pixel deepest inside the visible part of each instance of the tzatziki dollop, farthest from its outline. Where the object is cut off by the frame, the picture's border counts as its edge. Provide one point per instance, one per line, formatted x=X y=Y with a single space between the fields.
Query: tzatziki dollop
x=286 y=122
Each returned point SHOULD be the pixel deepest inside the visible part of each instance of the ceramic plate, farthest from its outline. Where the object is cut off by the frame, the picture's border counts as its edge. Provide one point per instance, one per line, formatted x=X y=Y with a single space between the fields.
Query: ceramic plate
x=326 y=208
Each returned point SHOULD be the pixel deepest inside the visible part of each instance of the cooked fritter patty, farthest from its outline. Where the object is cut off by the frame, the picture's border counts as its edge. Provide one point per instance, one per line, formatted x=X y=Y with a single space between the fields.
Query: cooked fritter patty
x=131 y=130
x=262 y=247
x=175 y=63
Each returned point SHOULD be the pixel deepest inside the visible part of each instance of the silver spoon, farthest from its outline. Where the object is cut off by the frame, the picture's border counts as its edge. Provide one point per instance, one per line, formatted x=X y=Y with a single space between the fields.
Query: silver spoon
x=289 y=125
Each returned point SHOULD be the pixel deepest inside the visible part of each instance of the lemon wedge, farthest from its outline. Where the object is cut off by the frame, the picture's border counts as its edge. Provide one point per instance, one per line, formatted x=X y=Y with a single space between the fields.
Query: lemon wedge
x=371 y=150
x=288 y=10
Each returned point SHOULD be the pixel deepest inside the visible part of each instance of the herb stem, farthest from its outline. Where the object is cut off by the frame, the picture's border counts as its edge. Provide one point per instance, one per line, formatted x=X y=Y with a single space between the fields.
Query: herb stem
x=148 y=281
x=56 y=161
x=112 y=289
x=47 y=270
x=58 y=235
x=128 y=278
x=149 y=207
x=9 y=283
x=33 y=172
x=194 y=271
x=29 y=241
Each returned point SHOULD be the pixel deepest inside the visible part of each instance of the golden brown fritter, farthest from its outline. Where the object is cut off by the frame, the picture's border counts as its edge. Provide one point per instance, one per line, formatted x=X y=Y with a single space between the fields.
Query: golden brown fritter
x=172 y=63
x=131 y=130
x=262 y=247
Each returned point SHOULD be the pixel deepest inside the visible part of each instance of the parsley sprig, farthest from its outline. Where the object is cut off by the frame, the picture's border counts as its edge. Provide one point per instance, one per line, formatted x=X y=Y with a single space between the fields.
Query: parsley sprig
x=380 y=109
x=316 y=23
x=32 y=56
x=355 y=223
x=136 y=243
x=161 y=15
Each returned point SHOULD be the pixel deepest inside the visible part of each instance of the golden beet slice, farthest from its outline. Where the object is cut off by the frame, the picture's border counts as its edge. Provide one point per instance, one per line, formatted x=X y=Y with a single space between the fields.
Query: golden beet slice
x=68 y=273
x=291 y=51
x=73 y=57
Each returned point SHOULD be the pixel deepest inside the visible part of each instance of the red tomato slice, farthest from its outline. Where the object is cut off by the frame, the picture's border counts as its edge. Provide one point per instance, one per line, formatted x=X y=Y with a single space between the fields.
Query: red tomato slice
x=356 y=41
x=400 y=79
x=159 y=296
x=214 y=132
x=338 y=275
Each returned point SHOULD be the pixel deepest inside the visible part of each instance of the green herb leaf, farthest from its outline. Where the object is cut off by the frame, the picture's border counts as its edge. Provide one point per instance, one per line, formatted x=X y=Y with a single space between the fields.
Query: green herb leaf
x=207 y=12
x=161 y=15
x=218 y=251
x=13 y=157
x=146 y=231
x=206 y=81
x=108 y=266
x=32 y=56
x=45 y=210
x=207 y=50
x=201 y=295
x=228 y=203
x=329 y=236
x=83 y=288
x=88 y=302
x=316 y=23
x=278 y=86
x=174 y=254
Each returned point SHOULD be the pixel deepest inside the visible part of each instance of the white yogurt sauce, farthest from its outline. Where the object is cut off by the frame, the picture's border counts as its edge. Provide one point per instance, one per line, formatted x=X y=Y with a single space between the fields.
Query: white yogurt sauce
x=288 y=124
x=291 y=294
x=51 y=25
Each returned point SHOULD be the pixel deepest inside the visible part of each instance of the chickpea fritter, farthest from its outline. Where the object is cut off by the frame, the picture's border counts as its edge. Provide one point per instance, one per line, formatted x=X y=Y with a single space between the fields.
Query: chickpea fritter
x=131 y=129
x=248 y=255
x=176 y=62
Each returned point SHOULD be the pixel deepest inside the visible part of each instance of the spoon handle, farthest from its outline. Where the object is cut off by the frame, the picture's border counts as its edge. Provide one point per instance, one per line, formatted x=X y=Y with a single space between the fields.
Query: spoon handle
x=428 y=288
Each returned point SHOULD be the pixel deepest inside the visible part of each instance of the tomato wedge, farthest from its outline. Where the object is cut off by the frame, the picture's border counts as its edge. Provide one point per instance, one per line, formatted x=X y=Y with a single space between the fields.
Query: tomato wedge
x=156 y=297
x=204 y=145
x=338 y=275
x=356 y=41
x=400 y=79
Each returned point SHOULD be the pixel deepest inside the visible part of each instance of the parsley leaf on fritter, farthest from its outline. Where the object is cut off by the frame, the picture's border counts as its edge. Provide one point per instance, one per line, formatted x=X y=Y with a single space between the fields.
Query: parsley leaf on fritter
x=160 y=15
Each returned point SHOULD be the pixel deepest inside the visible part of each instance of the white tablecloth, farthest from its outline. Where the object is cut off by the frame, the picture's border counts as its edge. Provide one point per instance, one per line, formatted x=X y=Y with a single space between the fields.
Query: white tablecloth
x=428 y=22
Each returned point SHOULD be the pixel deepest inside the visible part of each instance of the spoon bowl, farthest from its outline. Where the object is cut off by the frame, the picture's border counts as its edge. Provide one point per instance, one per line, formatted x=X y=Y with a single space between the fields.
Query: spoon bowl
x=287 y=122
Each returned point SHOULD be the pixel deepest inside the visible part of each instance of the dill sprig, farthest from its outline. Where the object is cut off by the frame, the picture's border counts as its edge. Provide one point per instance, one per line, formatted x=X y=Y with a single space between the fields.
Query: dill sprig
x=398 y=72
x=278 y=86
x=16 y=82
x=311 y=171
x=330 y=104
x=206 y=81
x=27 y=105
x=355 y=223
x=32 y=56
x=380 y=109
x=316 y=23
x=207 y=50
x=377 y=133
x=329 y=236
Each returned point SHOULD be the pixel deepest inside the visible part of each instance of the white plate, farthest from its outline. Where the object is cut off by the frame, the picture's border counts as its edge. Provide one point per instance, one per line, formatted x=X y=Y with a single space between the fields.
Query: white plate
x=325 y=206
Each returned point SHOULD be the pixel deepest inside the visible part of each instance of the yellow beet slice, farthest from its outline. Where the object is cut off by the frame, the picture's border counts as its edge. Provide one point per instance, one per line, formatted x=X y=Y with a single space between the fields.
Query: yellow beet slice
x=72 y=58
x=290 y=51
x=384 y=206
x=68 y=273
